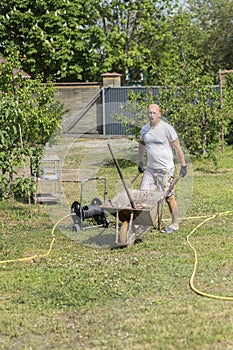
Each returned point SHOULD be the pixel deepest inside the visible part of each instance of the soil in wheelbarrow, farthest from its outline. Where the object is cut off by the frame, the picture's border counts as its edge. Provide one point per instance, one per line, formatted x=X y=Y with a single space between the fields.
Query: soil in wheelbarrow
x=145 y=206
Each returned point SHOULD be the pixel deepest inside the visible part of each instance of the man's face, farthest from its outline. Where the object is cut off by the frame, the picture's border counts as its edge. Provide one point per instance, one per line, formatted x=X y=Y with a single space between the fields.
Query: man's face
x=153 y=114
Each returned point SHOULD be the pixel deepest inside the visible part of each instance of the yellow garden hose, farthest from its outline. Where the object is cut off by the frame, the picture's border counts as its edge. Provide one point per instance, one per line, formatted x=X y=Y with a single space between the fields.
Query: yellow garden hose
x=196 y=260
x=38 y=255
x=191 y=283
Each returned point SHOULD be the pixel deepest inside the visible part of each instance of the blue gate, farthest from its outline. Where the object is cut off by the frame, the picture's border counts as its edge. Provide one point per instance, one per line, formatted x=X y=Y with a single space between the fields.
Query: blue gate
x=114 y=99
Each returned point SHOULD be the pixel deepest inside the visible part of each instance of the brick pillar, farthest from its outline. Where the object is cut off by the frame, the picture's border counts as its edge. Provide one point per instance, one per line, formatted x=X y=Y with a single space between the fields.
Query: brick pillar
x=111 y=79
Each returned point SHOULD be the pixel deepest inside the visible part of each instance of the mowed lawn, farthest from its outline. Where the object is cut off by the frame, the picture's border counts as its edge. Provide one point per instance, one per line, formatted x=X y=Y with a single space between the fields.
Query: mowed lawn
x=64 y=294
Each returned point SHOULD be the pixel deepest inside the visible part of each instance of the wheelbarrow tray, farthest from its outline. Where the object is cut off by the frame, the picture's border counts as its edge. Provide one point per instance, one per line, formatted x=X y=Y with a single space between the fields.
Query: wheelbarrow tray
x=145 y=209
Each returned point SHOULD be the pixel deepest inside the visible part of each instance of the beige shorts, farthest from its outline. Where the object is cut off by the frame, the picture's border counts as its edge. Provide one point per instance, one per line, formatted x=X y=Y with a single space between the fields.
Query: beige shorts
x=157 y=179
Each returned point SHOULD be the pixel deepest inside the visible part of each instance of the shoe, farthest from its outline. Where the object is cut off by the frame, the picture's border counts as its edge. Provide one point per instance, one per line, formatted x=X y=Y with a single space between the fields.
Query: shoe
x=171 y=228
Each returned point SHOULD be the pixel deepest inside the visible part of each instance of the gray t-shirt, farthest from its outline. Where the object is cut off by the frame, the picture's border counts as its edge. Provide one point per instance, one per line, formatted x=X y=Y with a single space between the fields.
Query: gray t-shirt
x=158 y=144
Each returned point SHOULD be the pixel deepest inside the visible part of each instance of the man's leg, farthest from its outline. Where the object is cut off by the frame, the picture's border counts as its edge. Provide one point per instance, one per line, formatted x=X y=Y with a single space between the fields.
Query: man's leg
x=171 y=201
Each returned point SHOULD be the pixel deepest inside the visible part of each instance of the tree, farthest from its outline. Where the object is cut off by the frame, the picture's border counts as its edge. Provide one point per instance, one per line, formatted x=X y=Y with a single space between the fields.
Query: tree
x=79 y=40
x=55 y=38
x=131 y=30
x=189 y=95
x=212 y=21
x=176 y=51
x=29 y=117
x=190 y=102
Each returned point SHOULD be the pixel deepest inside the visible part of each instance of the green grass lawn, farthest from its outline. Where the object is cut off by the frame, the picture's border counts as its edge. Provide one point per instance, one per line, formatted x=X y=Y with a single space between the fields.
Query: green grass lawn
x=87 y=297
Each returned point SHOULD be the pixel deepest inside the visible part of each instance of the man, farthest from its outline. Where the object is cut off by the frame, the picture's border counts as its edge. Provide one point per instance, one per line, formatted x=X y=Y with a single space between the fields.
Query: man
x=159 y=138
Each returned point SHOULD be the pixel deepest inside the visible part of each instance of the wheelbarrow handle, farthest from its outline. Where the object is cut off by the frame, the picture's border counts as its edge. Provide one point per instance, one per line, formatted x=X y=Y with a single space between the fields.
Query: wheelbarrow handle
x=174 y=182
x=135 y=178
x=121 y=177
x=160 y=203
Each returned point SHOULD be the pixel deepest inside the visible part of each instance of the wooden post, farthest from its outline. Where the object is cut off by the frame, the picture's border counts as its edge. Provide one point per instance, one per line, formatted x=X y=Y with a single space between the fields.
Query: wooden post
x=220 y=101
x=220 y=74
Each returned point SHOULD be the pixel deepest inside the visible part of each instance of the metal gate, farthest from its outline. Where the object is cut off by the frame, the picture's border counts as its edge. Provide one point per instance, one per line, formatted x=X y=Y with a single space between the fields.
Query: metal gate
x=113 y=100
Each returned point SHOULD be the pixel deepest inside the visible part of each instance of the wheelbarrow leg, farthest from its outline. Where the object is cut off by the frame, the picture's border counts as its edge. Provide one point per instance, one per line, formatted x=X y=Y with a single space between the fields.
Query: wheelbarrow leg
x=129 y=227
x=160 y=213
x=117 y=227
x=130 y=234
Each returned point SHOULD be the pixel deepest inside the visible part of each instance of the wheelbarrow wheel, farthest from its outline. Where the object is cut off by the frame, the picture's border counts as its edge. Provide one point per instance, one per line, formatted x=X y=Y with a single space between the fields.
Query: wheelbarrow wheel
x=123 y=232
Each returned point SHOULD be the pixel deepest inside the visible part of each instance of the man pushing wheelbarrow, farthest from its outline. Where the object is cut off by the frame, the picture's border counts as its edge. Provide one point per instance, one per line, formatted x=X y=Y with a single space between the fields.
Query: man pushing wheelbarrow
x=159 y=138
x=140 y=208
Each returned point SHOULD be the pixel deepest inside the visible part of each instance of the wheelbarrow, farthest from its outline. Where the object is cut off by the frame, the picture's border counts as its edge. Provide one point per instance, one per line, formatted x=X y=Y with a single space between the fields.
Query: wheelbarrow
x=137 y=210
x=134 y=220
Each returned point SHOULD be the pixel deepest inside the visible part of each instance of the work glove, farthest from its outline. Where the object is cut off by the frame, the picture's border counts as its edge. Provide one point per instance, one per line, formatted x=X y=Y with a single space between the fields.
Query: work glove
x=183 y=171
x=140 y=167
